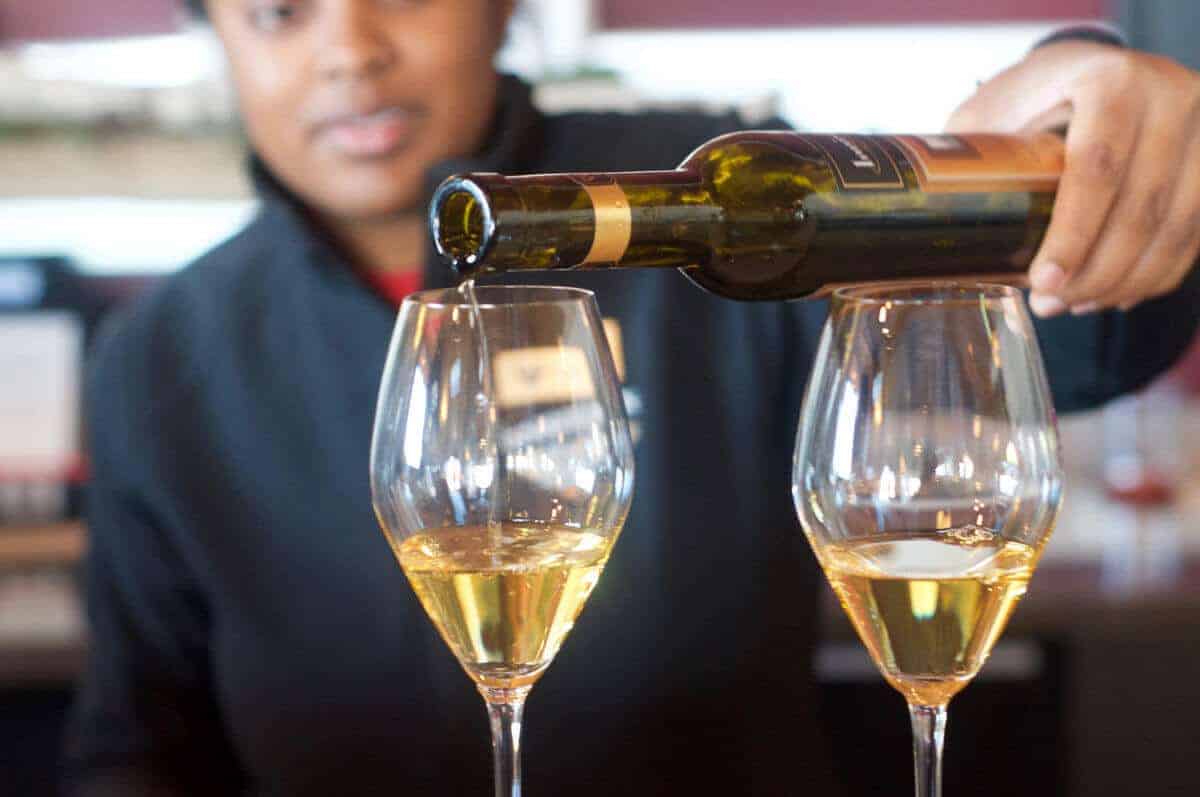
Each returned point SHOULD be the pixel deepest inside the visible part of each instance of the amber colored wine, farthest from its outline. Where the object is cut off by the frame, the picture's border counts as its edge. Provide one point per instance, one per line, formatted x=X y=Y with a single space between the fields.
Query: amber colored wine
x=504 y=597
x=771 y=214
x=929 y=607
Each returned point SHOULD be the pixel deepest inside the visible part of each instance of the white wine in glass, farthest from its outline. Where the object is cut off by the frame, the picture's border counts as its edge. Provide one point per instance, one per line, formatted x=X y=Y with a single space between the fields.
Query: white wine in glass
x=929 y=608
x=501 y=473
x=504 y=598
x=927 y=479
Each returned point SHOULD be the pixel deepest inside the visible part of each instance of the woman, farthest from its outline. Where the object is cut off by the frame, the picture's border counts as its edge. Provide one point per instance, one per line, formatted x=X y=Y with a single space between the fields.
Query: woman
x=251 y=631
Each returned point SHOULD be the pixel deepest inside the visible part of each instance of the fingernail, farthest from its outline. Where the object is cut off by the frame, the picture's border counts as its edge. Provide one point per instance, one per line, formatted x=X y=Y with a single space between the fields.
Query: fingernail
x=1085 y=308
x=1047 y=277
x=1046 y=306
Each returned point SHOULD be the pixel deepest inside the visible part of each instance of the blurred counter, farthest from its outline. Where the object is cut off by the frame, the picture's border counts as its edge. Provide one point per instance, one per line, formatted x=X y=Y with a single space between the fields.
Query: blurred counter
x=42 y=633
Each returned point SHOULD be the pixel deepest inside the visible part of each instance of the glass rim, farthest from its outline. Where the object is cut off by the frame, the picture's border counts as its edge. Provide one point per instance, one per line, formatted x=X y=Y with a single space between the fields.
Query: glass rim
x=543 y=295
x=926 y=292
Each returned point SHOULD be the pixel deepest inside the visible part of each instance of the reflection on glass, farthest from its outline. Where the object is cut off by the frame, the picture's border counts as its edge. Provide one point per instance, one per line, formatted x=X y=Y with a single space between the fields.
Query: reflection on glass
x=501 y=472
x=927 y=479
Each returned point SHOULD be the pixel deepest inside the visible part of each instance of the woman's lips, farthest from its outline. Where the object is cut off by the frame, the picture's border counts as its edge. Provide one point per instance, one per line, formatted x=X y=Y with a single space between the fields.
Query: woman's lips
x=371 y=135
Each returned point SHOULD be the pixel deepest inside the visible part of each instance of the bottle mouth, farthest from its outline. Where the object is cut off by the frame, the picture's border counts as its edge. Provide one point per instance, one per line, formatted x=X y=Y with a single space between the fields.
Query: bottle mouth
x=462 y=223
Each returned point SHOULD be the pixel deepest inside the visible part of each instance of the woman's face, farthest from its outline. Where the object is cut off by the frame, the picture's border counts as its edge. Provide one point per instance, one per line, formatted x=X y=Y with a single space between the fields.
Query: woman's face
x=350 y=101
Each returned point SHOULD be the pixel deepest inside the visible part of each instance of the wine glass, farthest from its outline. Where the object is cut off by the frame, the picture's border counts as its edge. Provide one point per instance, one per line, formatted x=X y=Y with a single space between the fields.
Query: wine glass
x=501 y=473
x=927 y=479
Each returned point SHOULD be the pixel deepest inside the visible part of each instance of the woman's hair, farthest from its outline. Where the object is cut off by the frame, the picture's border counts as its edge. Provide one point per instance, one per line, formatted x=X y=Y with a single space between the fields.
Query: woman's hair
x=196 y=7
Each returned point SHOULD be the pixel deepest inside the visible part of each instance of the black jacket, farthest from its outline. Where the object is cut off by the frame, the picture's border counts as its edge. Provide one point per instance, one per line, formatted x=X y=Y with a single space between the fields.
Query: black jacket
x=252 y=631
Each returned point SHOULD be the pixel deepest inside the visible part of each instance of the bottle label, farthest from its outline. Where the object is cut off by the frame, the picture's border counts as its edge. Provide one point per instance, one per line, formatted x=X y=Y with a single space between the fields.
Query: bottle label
x=613 y=218
x=972 y=163
x=860 y=162
x=982 y=162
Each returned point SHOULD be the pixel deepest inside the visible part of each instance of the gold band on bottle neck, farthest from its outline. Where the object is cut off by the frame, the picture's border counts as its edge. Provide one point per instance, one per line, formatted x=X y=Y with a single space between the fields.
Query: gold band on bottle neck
x=614 y=222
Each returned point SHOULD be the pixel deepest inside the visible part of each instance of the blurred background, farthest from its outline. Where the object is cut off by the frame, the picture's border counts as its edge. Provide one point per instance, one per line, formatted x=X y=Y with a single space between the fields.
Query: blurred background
x=121 y=160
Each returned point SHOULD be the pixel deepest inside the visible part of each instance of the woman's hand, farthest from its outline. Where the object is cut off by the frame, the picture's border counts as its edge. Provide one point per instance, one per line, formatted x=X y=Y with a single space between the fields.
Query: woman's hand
x=1126 y=224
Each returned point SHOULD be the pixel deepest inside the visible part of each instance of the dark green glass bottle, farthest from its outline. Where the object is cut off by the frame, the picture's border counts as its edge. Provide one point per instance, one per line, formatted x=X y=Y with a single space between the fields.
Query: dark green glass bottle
x=771 y=215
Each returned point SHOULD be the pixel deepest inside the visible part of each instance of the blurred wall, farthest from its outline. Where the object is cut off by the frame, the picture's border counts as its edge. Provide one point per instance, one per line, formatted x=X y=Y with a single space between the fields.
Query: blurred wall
x=53 y=19
x=57 y=19
x=1170 y=27
x=722 y=13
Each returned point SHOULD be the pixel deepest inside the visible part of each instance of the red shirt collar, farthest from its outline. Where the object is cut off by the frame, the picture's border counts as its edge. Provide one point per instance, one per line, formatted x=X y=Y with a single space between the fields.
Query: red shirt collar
x=394 y=285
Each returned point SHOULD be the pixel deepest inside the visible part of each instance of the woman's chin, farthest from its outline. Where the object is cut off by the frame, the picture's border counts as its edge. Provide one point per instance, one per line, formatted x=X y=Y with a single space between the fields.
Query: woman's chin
x=364 y=203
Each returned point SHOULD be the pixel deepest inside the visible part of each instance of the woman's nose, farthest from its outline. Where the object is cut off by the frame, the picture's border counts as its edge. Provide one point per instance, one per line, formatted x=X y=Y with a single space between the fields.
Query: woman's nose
x=354 y=47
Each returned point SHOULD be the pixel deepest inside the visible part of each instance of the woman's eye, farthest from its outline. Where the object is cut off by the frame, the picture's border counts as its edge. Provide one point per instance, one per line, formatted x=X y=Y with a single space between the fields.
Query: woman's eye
x=271 y=17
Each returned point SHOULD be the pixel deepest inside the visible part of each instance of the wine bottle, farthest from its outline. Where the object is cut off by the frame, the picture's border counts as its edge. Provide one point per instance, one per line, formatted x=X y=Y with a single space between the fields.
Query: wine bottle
x=769 y=215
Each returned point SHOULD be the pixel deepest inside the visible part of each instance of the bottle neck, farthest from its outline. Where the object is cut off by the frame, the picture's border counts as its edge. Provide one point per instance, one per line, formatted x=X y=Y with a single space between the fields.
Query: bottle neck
x=488 y=222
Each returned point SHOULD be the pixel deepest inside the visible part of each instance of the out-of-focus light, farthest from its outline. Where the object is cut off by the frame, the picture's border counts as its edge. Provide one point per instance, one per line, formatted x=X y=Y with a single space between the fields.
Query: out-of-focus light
x=149 y=62
x=844 y=79
x=119 y=235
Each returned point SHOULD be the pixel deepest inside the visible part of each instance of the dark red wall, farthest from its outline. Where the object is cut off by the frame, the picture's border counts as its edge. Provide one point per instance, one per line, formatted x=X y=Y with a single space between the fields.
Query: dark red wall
x=766 y=13
x=48 y=19
x=55 y=19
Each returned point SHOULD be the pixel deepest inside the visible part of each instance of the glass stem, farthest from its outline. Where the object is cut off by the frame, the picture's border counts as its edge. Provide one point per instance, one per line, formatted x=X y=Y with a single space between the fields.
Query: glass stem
x=505 y=707
x=929 y=736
